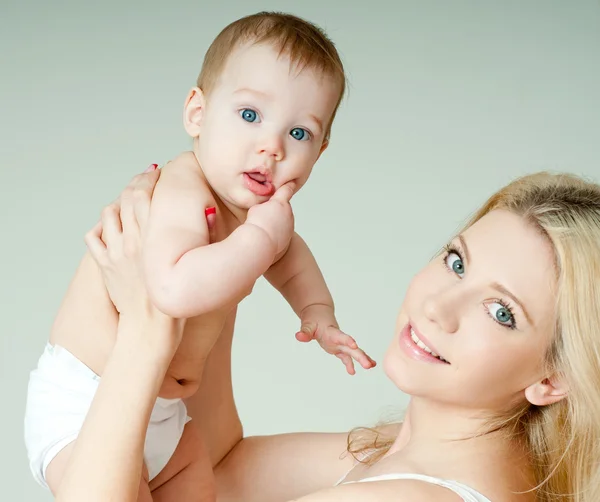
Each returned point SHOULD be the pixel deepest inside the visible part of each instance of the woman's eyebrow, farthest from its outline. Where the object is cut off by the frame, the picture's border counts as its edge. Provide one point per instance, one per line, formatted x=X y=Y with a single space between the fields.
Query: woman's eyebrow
x=463 y=244
x=502 y=289
x=496 y=285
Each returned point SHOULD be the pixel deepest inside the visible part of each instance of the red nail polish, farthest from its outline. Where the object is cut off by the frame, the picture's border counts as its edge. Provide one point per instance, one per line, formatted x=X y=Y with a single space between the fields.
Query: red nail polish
x=154 y=167
x=210 y=210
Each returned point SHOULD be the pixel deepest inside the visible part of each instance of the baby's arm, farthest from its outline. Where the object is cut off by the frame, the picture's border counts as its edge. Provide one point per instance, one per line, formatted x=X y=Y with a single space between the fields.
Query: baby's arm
x=297 y=276
x=187 y=276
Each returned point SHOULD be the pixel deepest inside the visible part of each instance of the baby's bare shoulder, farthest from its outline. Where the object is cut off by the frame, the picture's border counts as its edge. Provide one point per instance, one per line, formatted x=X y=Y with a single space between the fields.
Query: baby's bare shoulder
x=184 y=167
x=183 y=179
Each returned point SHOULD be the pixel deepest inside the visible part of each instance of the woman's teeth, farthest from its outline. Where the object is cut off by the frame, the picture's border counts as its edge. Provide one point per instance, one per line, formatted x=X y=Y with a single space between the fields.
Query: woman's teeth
x=421 y=345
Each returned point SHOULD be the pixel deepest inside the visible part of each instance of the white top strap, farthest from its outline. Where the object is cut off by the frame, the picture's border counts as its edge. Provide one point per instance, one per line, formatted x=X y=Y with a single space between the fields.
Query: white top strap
x=467 y=493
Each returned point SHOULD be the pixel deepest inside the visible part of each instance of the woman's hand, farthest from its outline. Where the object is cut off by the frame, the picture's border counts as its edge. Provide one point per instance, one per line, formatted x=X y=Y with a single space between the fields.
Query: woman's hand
x=115 y=244
x=107 y=459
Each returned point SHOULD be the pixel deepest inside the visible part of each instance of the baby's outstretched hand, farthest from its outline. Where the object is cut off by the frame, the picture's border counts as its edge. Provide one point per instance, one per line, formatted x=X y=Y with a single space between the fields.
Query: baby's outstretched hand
x=319 y=323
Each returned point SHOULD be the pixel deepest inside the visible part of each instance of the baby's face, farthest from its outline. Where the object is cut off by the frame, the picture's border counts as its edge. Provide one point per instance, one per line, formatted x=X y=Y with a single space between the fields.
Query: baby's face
x=263 y=125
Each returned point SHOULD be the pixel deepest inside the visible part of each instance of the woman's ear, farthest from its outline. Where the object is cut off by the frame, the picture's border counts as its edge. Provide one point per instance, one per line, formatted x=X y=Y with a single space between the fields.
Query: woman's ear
x=548 y=391
x=193 y=111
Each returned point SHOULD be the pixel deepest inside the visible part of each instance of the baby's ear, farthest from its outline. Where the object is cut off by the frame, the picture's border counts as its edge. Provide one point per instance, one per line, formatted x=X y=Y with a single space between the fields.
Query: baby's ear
x=193 y=110
x=548 y=391
x=323 y=147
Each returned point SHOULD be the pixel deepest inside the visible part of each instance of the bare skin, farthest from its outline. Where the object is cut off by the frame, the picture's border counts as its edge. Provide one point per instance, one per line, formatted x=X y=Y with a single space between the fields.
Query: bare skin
x=86 y=325
x=249 y=159
x=438 y=436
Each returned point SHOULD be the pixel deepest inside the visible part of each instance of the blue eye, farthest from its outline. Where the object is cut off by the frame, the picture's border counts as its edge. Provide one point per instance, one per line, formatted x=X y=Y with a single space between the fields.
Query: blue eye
x=454 y=262
x=502 y=314
x=300 y=134
x=249 y=115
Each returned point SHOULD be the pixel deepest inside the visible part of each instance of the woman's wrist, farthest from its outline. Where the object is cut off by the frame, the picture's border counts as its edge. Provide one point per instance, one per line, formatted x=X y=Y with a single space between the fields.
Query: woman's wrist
x=152 y=335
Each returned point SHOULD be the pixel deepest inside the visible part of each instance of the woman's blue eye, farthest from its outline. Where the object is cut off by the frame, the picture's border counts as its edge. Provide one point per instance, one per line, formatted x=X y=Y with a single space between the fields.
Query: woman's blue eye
x=249 y=115
x=501 y=314
x=300 y=134
x=455 y=263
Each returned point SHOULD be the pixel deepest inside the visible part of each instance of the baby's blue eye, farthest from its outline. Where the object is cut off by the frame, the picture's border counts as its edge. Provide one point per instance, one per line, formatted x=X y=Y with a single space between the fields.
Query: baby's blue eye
x=249 y=115
x=300 y=134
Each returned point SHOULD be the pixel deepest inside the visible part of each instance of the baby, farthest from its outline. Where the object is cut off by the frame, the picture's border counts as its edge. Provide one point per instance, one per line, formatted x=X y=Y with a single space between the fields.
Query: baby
x=260 y=117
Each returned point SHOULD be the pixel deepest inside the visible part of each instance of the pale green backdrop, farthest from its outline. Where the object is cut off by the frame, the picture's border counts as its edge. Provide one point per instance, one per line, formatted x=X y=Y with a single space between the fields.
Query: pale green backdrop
x=448 y=101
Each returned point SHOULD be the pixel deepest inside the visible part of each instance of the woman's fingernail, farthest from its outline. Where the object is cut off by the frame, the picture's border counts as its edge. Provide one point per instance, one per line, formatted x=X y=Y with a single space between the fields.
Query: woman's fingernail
x=151 y=167
x=210 y=210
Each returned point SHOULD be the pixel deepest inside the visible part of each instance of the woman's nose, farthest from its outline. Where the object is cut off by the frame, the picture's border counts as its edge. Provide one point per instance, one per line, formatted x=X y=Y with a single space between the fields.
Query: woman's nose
x=442 y=308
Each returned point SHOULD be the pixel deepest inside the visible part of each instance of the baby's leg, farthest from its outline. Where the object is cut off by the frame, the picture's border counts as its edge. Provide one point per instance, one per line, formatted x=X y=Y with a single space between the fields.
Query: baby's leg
x=193 y=484
x=56 y=470
x=188 y=477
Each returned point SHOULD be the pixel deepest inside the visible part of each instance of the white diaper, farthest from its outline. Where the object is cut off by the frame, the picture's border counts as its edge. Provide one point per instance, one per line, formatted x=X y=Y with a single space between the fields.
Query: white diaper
x=60 y=393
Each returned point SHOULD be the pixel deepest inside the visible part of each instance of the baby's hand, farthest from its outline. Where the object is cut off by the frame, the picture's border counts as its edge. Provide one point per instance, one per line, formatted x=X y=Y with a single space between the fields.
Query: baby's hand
x=275 y=217
x=319 y=323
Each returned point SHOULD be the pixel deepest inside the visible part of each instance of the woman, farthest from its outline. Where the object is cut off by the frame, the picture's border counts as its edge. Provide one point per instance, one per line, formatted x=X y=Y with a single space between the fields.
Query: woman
x=496 y=343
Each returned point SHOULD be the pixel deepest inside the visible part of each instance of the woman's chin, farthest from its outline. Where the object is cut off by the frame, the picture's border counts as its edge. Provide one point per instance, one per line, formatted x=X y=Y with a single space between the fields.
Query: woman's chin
x=414 y=378
x=397 y=371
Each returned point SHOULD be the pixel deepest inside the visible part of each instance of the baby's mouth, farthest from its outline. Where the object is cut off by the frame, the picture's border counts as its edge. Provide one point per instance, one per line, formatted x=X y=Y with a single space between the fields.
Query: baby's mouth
x=259 y=183
x=258 y=177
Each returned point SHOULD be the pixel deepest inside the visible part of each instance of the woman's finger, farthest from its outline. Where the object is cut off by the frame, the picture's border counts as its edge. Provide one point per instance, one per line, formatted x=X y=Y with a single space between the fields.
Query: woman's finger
x=127 y=214
x=142 y=196
x=131 y=230
x=95 y=245
x=211 y=221
x=111 y=224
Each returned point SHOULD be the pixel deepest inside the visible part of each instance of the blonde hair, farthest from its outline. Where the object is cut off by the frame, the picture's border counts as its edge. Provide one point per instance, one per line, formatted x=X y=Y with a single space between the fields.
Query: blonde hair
x=306 y=44
x=563 y=439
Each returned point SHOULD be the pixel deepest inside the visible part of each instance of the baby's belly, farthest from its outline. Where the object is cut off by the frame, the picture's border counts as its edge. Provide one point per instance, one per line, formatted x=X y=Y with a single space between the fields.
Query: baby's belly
x=86 y=325
x=185 y=372
x=86 y=322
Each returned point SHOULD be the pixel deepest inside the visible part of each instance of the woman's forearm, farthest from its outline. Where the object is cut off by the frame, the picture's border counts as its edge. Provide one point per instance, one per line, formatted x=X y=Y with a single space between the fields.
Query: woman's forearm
x=107 y=459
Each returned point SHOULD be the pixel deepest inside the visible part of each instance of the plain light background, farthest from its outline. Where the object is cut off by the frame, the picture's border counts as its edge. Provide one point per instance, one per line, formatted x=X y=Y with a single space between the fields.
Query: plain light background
x=448 y=101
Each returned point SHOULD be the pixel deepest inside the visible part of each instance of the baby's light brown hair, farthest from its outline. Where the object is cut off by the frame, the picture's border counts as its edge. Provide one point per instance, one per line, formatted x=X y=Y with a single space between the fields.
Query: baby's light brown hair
x=303 y=42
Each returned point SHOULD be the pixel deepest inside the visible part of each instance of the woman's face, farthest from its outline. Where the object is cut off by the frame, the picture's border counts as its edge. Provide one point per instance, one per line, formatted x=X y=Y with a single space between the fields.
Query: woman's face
x=486 y=308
